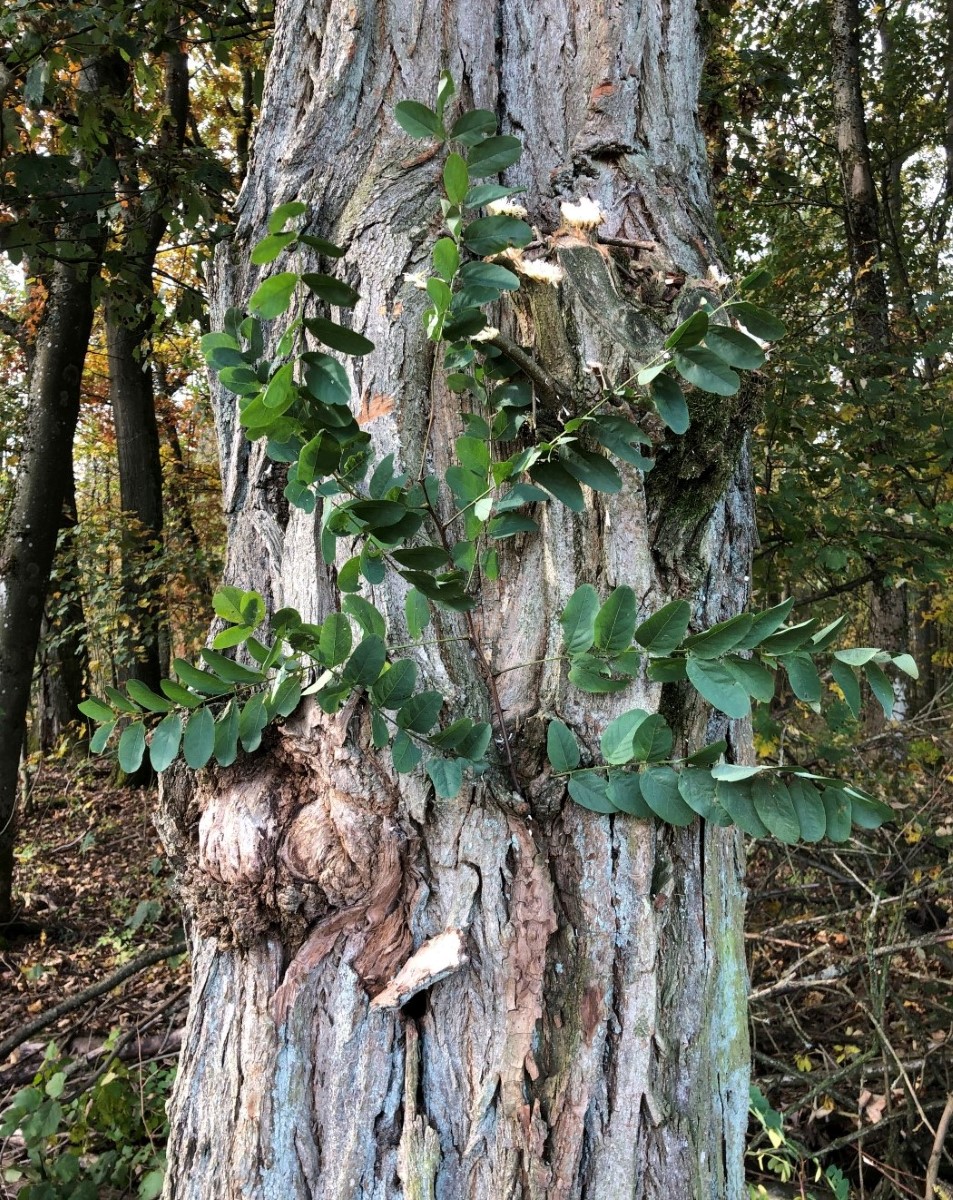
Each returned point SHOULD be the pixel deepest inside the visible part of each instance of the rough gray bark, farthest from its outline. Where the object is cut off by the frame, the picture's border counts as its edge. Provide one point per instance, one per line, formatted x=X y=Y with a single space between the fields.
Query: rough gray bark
x=593 y=1043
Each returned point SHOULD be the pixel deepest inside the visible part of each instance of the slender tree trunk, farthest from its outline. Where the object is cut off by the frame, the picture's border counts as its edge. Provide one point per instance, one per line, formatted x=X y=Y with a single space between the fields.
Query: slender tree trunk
x=64 y=670
x=29 y=543
x=589 y=1039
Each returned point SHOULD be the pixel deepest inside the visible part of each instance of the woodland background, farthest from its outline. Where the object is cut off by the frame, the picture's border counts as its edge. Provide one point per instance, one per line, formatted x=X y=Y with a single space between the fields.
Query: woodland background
x=850 y=955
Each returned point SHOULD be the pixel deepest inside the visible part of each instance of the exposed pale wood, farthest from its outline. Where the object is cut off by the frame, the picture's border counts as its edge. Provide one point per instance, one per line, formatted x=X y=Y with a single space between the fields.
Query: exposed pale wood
x=594 y=1045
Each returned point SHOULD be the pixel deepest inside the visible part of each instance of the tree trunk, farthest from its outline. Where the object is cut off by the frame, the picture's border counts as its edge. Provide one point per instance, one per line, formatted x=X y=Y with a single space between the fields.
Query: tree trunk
x=64 y=666
x=586 y=1035
x=29 y=543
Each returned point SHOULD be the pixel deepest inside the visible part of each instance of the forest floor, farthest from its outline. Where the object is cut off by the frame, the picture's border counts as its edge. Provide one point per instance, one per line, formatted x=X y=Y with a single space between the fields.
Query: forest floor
x=850 y=954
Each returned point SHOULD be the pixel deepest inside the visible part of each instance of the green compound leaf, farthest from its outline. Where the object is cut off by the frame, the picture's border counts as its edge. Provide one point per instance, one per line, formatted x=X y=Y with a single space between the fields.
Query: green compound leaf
x=697 y=788
x=446 y=774
x=271 y=298
x=846 y=679
x=810 y=810
x=366 y=663
x=881 y=687
x=561 y=748
x=132 y=746
x=578 y=619
x=164 y=743
x=735 y=799
x=706 y=371
x=661 y=794
x=734 y=348
x=405 y=753
x=396 y=685
x=334 y=644
x=670 y=403
x=226 y=735
x=775 y=808
x=837 y=806
x=758 y=321
x=492 y=155
x=199 y=741
x=617 y=740
x=664 y=630
x=420 y=713
x=615 y=621
x=716 y=684
x=625 y=794
x=720 y=638
x=418 y=120
x=591 y=791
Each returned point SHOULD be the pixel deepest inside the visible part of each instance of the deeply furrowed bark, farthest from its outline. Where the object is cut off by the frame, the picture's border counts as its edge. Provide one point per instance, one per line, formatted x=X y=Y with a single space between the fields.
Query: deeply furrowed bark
x=592 y=1043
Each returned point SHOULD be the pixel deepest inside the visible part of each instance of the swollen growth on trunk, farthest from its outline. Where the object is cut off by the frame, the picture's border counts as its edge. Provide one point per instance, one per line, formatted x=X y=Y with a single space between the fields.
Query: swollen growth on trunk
x=463 y=884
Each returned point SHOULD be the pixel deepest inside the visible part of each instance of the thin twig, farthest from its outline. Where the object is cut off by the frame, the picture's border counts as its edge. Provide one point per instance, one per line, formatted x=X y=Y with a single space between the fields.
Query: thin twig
x=628 y=243
x=933 y=1167
x=548 y=385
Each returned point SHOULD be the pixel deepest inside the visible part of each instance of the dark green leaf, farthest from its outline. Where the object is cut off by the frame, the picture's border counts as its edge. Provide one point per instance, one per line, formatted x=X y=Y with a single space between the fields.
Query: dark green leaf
x=366 y=663
x=489 y=275
x=164 y=743
x=338 y=337
x=592 y=469
x=490 y=235
x=493 y=155
x=753 y=677
x=326 y=380
x=561 y=748
x=511 y=523
x=578 y=619
x=653 y=739
x=421 y=711
x=201 y=681
x=706 y=371
x=788 y=638
x=405 y=752
x=759 y=321
x=199 y=740
x=229 y=670
x=366 y=614
x=616 y=742
x=285 y=213
x=96 y=710
x=734 y=772
x=132 y=746
x=615 y=621
x=735 y=799
x=591 y=791
x=251 y=723
x=588 y=675
x=456 y=181
x=881 y=687
x=418 y=120
x=146 y=697
x=810 y=810
x=837 y=807
x=868 y=813
x=734 y=348
x=803 y=677
x=396 y=685
x=664 y=630
x=472 y=127
x=270 y=247
x=690 y=332
x=121 y=702
x=321 y=245
x=846 y=679
x=416 y=612
x=707 y=756
x=446 y=774
x=720 y=638
x=670 y=404
x=661 y=794
x=715 y=683
x=765 y=623
x=697 y=788
x=380 y=731
x=775 y=808
x=226 y=735
x=554 y=477
x=331 y=290
x=97 y=743
x=625 y=794
x=335 y=643
x=287 y=698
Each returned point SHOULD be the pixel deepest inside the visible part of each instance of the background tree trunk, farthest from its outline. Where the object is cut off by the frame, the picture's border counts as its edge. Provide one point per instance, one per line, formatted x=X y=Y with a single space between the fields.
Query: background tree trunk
x=591 y=1041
